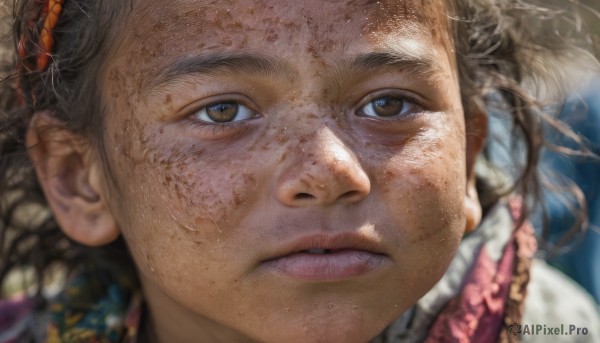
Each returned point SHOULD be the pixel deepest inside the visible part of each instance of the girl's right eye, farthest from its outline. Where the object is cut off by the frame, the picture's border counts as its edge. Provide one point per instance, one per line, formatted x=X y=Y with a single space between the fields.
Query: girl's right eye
x=224 y=112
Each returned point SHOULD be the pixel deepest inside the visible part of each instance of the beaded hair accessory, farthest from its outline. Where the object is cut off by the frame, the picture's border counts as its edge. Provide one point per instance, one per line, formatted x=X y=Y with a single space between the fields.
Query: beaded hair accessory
x=48 y=17
x=44 y=22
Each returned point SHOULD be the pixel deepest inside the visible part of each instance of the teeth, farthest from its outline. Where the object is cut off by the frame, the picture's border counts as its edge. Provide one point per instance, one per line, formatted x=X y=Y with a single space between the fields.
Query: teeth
x=318 y=251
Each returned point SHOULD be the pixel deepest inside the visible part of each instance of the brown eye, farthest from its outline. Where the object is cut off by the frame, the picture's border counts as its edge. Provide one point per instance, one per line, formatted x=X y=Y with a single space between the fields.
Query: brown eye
x=224 y=112
x=386 y=107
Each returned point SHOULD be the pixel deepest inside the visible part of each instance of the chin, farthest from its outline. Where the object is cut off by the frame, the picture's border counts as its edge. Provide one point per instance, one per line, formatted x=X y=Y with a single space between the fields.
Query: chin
x=354 y=328
x=342 y=334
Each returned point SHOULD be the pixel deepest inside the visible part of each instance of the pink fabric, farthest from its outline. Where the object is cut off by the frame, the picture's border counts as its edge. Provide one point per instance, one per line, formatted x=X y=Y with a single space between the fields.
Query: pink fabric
x=477 y=313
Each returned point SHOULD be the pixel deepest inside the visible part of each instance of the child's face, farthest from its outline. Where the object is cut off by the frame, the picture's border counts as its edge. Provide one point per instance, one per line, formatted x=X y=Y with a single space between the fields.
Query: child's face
x=243 y=132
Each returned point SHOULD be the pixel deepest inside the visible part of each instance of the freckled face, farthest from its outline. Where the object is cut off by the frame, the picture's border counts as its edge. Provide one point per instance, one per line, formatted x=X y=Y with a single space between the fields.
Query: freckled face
x=234 y=130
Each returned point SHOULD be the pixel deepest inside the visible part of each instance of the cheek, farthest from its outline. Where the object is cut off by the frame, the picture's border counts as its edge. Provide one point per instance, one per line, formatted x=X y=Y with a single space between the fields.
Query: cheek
x=182 y=208
x=423 y=188
x=426 y=183
x=193 y=185
x=176 y=199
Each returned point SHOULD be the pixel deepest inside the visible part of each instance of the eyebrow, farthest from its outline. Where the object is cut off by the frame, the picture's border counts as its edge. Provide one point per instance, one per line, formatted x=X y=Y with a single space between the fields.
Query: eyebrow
x=212 y=64
x=420 y=64
x=424 y=64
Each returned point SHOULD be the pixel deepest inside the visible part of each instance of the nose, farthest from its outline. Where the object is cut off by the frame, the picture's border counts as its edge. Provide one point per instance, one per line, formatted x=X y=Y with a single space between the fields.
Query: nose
x=322 y=171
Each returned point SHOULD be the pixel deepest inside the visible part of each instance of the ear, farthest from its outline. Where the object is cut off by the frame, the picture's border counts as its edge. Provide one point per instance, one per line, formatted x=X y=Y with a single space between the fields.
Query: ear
x=476 y=133
x=70 y=174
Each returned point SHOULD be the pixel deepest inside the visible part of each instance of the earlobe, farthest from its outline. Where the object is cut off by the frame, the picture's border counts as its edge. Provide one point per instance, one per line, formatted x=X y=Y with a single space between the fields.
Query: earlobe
x=70 y=174
x=476 y=132
x=472 y=208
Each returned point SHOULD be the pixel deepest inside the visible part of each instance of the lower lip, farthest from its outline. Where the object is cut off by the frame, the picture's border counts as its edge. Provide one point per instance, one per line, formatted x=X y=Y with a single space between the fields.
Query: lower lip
x=338 y=265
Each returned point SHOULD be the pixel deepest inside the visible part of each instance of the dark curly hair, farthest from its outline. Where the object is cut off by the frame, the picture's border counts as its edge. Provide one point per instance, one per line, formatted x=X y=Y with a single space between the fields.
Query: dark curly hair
x=29 y=235
x=503 y=47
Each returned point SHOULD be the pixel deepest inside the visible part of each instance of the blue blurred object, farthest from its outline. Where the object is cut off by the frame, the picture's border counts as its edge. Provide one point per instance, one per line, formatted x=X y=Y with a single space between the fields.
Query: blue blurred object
x=582 y=262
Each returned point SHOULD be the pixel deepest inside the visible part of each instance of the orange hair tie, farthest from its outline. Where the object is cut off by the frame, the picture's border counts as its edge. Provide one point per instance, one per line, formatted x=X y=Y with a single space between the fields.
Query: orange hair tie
x=45 y=21
x=52 y=12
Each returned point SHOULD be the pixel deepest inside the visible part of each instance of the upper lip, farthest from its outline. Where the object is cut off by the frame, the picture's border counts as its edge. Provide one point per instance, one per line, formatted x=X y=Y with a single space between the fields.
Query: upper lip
x=330 y=241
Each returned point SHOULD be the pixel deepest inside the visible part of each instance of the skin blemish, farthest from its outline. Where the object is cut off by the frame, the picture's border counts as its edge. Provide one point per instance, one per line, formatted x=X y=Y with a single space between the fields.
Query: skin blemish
x=168 y=101
x=272 y=35
x=237 y=200
x=194 y=233
x=283 y=157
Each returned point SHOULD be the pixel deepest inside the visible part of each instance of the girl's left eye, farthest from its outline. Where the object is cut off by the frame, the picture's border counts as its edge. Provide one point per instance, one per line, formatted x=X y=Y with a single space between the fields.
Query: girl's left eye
x=387 y=107
x=224 y=112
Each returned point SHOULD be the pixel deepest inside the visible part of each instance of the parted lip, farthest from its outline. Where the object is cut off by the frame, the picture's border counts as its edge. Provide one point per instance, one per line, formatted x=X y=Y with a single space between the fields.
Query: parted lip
x=327 y=241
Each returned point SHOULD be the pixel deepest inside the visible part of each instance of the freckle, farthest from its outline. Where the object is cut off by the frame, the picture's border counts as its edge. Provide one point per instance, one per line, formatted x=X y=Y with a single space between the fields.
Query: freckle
x=227 y=42
x=389 y=175
x=304 y=183
x=313 y=51
x=282 y=139
x=249 y=178
x=236 y=199
x=283 y=157
x=272 y=37
x=178 y=191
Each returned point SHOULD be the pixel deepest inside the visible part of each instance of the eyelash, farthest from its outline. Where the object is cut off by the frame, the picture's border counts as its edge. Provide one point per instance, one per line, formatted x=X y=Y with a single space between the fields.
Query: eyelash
x=414 y=103
x=216 y=128
x=240 y=110
x=204 y=128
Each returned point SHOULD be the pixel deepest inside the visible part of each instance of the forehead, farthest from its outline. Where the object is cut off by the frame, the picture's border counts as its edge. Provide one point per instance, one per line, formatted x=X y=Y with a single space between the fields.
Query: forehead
x=158 y=32
x=228 y=19
x=218 y=13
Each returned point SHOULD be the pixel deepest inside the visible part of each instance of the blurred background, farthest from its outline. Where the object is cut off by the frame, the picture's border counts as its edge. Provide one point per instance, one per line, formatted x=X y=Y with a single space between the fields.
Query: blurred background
x=577 y=255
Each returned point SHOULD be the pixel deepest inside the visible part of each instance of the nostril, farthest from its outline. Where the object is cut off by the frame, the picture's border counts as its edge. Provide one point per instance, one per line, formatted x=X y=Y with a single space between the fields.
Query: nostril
x=350 y=195
x=303 y=196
